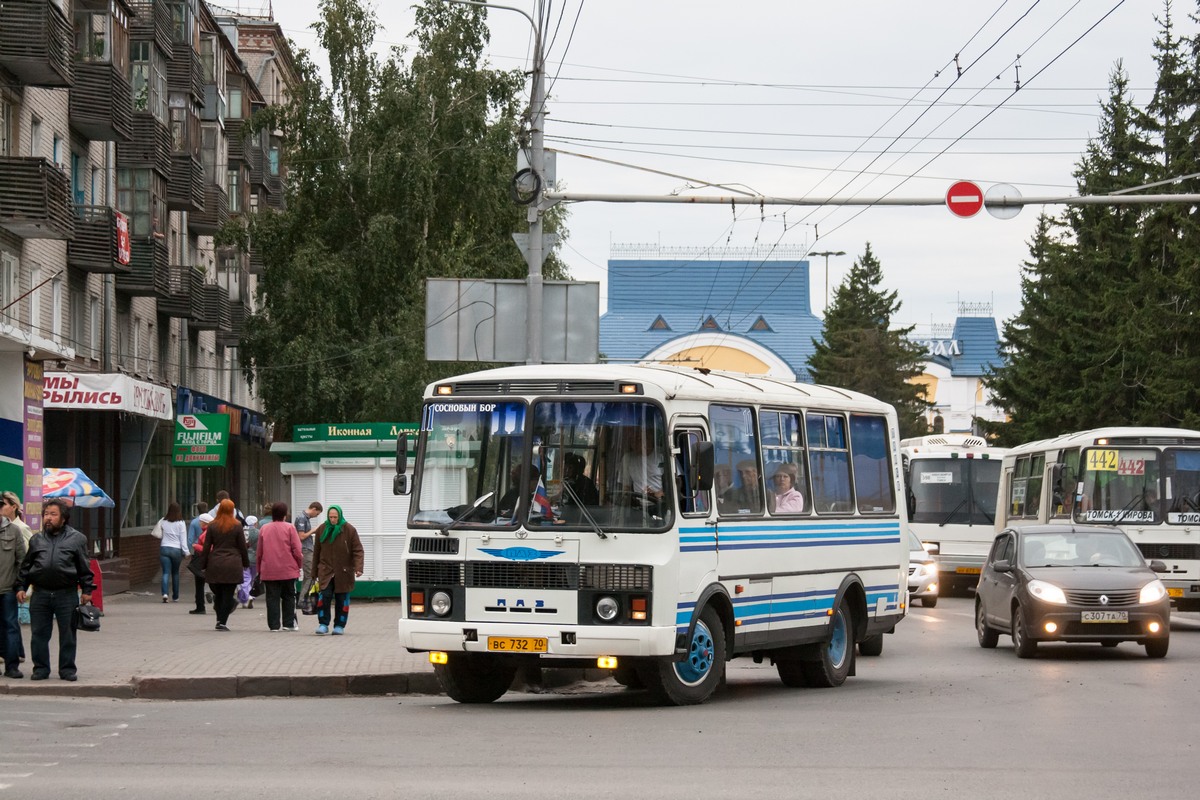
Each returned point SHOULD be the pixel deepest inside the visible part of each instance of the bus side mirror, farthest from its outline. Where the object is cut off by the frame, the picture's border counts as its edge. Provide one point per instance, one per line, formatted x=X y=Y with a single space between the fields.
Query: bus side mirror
x=701 y=461
x=402 y=454
x=400 y=485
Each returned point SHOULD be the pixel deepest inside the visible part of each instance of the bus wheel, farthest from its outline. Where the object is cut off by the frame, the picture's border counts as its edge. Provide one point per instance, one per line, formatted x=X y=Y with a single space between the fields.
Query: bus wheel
x=871 y=646
x=472 y=678
x=628 y=677
x=791 y=672
x=696 y=677
x=833 y=666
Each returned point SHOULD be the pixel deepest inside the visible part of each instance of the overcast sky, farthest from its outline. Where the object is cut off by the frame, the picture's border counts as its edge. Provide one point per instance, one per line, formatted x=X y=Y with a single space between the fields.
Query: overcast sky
x=803 y=98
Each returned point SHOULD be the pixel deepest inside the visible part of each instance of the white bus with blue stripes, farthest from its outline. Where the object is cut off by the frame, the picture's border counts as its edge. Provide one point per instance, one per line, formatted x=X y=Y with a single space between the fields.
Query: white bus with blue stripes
x=610 y=516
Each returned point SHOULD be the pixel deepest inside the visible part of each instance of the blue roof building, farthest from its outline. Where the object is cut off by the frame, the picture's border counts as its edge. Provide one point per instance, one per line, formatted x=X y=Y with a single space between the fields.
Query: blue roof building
x=747 y=312
x=960 y=356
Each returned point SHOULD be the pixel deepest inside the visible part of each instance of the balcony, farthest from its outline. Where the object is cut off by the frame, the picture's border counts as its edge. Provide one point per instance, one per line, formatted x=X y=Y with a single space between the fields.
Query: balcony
x=147 y=275
x=210 y=308
x=256 y=159
x=235 y=137
x=94 y=248
x=101 y=103
x=214 y=215
x=185 y=184
x=183 y=73
x=36 y=42
x=275 y=197
x=36 y=200
x=150 y=145
x=151 y=21
x=256 y=260
x=177 y=302
x=238 y=313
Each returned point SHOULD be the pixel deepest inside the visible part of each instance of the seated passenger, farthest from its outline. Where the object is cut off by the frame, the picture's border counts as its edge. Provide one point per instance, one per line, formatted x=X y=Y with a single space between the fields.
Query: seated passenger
x=788 y=499
x=746 y=498
x=723 y=489
x=578 y=488
x=507 y=507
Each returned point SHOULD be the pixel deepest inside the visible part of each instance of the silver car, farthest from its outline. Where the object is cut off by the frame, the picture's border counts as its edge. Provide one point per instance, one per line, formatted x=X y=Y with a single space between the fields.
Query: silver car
x=922 y=573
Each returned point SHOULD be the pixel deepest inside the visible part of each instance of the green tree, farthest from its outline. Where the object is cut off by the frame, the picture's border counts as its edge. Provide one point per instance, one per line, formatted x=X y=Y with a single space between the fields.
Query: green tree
x=861 y=351
x=397 y=172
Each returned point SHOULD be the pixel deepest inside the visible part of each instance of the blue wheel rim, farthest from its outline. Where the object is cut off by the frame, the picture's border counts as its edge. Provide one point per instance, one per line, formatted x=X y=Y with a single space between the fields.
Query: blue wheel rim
x=839 y=641
x=701 y=653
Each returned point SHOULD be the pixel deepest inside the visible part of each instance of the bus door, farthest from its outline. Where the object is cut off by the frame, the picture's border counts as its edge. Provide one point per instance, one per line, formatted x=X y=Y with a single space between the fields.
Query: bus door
x=697 y=526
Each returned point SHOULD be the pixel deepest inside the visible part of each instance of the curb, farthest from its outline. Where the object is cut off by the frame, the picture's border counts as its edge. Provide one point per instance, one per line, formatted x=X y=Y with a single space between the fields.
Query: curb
x=227 y=687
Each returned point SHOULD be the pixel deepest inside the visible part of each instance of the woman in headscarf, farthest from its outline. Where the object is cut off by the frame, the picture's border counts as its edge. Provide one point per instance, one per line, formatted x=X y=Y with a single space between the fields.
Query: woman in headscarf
x=338 y=556
x=225 y=559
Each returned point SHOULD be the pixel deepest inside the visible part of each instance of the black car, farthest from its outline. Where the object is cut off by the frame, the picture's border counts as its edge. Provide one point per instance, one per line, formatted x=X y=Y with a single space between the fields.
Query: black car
x=1071 y=583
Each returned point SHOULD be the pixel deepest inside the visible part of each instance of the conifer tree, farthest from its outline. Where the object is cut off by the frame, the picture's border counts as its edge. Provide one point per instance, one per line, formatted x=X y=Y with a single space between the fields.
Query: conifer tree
x=861 y=351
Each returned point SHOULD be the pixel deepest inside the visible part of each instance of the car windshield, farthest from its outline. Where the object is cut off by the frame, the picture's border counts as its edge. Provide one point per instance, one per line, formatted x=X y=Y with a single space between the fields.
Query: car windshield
x=1118 y=484
x=1076 y=549
x=592 y=465
x=951 y=491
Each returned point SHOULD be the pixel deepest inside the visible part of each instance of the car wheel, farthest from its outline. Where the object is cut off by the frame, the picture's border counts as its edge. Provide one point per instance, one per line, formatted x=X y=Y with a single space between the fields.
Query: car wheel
x=1025 y=647
x=833 y=667
x=474 y=678
x=871 y=646
x=928 y=602
x=696 y=677
x=1157 y=648
x=987 y=636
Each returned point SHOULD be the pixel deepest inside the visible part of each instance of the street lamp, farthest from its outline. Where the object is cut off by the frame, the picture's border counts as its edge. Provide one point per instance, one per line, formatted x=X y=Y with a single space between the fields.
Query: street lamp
x=827 y=254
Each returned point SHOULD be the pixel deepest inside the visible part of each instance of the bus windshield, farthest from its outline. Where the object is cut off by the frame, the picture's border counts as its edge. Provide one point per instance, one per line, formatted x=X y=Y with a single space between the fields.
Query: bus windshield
x=1118 y=484
x=599 y=466
x=1181 y=477
x=954 y=491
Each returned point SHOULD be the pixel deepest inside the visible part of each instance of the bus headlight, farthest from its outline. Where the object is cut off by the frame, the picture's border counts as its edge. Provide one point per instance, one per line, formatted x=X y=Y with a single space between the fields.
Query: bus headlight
x=440 y=603
x=607 y=608
x=1152 y=592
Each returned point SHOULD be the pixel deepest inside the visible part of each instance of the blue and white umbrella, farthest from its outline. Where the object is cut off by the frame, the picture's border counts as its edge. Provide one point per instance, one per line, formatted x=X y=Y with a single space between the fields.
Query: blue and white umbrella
x=75 y=487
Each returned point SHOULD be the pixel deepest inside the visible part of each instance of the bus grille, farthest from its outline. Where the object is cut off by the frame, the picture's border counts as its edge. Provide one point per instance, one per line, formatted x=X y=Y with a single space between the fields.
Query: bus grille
x=442 y=545
x=615 y=577
x=1174 y=551
x=435 y=573
x=499 y=575
x=1081 y=598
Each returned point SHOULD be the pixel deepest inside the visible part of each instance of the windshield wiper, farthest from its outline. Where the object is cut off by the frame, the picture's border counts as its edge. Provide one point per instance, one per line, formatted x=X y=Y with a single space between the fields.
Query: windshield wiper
x=445 y=530
x=587 y=515
x=953 y=511
x=1138 y=498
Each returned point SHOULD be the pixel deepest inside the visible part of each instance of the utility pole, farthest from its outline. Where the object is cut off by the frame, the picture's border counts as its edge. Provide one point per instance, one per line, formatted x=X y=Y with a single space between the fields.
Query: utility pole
x=827 y=254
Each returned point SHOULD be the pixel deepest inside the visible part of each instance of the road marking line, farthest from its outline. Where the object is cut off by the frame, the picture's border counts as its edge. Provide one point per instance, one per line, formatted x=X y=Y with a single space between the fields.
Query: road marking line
x=15 y=774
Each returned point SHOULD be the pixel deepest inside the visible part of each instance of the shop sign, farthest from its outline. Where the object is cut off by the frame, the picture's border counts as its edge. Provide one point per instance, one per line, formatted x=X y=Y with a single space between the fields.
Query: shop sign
x=201 y=440
x=34 y=443
x=104 y=391
x=350 y=431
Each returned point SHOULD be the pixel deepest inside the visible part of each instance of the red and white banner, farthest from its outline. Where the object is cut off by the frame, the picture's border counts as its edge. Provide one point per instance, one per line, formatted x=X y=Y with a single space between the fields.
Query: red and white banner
x=124 y=248
x=102 y=391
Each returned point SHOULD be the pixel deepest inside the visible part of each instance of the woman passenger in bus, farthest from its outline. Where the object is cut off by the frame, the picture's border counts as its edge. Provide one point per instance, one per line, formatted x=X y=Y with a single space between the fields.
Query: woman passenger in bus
x=788 y=499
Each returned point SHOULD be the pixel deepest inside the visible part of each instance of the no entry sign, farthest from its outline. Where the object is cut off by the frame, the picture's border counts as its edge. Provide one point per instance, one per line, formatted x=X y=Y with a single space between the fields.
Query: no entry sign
x=964 y=199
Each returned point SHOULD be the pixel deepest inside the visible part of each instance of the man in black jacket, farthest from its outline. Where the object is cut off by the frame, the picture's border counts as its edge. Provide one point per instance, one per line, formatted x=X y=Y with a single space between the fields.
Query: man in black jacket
x=57 y=566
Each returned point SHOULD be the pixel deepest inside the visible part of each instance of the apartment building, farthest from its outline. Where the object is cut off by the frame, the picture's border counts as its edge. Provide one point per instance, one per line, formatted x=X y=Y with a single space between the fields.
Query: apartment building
x=126 y=145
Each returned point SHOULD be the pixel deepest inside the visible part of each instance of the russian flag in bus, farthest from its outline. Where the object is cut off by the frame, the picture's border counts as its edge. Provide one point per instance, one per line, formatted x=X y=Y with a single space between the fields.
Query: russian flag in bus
x=542 y=501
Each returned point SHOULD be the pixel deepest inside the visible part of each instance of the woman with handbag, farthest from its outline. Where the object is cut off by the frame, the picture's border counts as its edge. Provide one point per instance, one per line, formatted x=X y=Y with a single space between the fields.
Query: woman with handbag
x=338 y=558
x=278 y=562
x=171 y=531
x=225 y=558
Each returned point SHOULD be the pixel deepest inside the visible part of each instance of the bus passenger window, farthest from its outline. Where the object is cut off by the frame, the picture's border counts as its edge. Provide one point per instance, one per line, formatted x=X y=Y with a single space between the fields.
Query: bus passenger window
x=736 y=450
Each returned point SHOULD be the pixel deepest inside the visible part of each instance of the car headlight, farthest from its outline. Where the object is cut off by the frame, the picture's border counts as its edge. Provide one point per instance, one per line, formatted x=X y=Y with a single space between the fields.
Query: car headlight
x=930 y=569
x=1152 y=592
x=440 y=603
x=1047 y=592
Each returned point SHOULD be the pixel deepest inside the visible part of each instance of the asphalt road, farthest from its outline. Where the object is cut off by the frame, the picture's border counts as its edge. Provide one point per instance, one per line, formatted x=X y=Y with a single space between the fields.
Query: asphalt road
x=934 y=716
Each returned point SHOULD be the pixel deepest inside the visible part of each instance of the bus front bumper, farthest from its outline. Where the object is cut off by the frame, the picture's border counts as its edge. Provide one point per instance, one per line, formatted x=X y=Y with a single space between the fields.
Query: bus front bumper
x=558 y=641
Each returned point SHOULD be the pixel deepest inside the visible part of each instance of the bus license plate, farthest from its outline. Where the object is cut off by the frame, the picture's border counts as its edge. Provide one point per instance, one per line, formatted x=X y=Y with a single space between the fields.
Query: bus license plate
x=968 y=570
x=1104 y=616
x=1174 y=592
x=517 y=644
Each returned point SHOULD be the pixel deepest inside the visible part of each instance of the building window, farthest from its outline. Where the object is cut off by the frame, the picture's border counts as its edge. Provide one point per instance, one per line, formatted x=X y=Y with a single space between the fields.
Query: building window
x=149 y=82
x=94 y=320
x=235 y=191
x=8 y=113
x=9 y=286
x=35 y=137
x=273 y=159
x=78 y=311
x=56 y=308
x=208 y=59
x=35 y=300
x=234 y=110
x=139 y=196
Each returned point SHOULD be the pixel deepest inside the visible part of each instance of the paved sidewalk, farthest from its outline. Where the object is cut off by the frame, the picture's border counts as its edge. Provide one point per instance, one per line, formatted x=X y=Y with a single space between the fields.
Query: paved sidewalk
x=146 y=648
